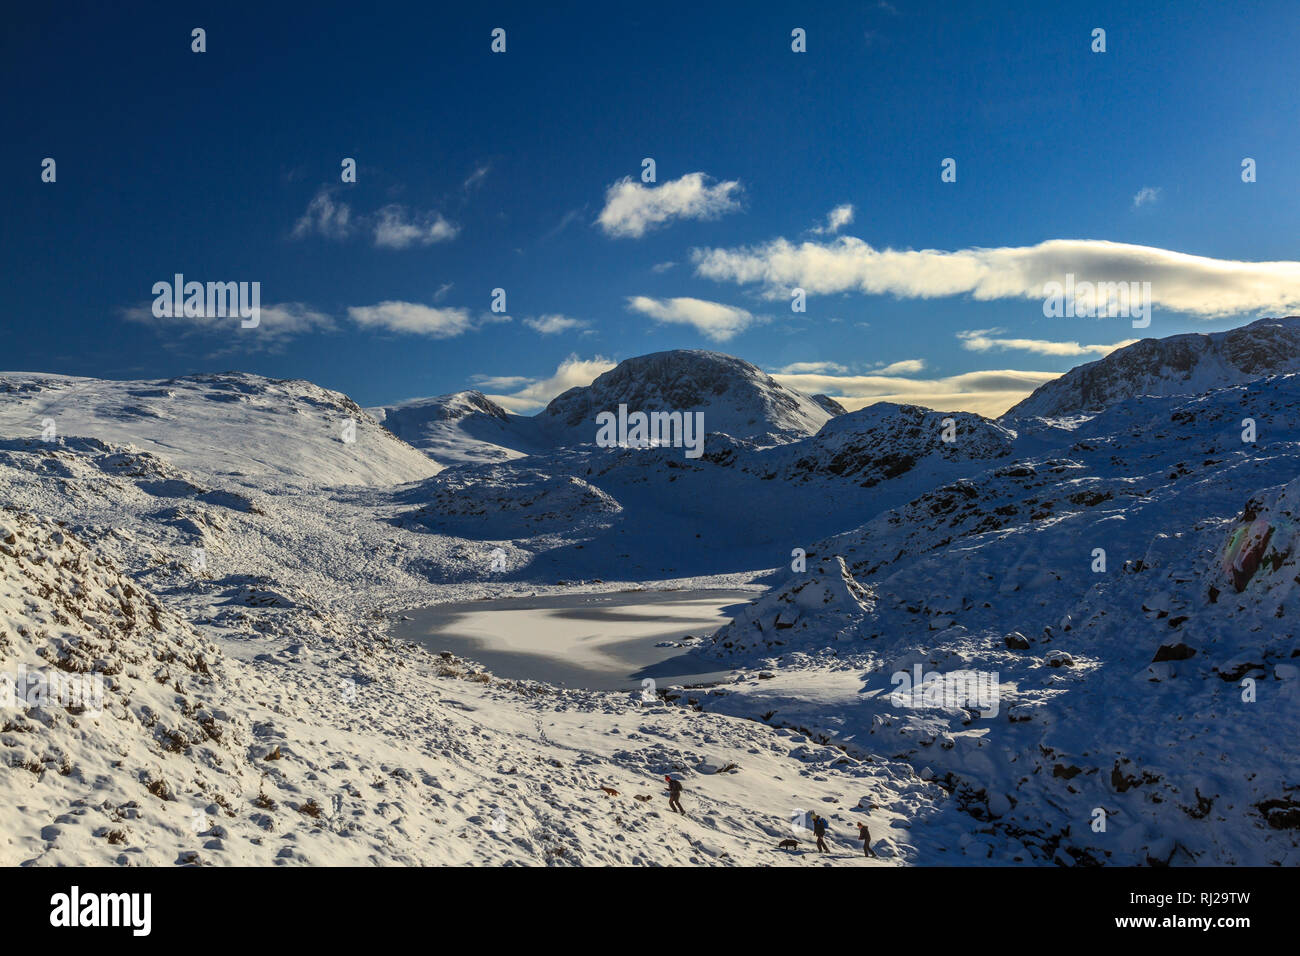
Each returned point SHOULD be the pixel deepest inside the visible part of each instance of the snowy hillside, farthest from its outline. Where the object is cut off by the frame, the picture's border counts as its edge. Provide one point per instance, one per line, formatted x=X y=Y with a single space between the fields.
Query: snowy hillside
x=232 y=425
x=1121 y=683
x=230 y=568
x=464 y=427
x=1178 y=365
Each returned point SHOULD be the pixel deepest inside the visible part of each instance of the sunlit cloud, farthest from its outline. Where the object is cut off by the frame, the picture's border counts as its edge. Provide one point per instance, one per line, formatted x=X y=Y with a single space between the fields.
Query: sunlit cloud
x=989 y=392
x=983 y=340
x=527 y=395
x=712 y=319
x=632 y=208
x=1195 y=285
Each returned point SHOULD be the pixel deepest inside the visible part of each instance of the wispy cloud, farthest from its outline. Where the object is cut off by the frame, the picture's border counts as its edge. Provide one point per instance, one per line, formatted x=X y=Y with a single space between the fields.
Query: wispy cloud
x=554 y=324
x=1195 y=285
x=632 y=208
x=904 y=367
x=836 y=219
x=568 y=219
x=476 y=178
x=415 y=319
x=530 y=394
x=277 y=325
x=392 y=227
x=712 y=319
x=1146 y=196
x=324 y=217
x=984 y=340
x=803 y=368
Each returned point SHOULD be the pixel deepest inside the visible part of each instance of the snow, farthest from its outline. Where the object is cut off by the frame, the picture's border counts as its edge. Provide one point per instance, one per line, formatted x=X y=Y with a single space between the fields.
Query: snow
x=1189 y=364
x=239 y=577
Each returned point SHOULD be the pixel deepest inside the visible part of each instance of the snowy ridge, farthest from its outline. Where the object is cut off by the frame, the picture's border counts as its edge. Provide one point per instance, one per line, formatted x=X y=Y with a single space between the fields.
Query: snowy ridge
x=1177 y=365
x=232 y=425
x=463 y=427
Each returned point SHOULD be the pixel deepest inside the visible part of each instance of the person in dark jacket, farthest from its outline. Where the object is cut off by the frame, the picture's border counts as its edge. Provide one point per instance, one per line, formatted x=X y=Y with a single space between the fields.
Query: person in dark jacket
x=865 y=836
x=674 y=794
x=819 y=831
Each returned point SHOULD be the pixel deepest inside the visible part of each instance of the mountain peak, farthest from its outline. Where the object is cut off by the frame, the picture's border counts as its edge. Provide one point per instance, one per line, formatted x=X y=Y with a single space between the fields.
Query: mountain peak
x=1187 y=364
x=736 y=397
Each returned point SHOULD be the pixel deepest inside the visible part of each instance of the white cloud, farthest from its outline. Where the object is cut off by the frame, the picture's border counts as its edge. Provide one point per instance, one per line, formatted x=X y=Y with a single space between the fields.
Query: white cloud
x=475 y=179
x=1190 y=284
x=980 y=340
x=535 y=393
x=989 y=392
x=324 y=217
x=554 y=324
x=632 y=207
x=394 y=229
x=800 y=368
x=905 y=367
x=277 y=325
x=713 y=319
x=836 y=219
x=413 y=318
x=1145 y=196
x=500 y=381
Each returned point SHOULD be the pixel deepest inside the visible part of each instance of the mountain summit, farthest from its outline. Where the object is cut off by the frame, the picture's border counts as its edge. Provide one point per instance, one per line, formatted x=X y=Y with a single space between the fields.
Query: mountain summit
x=735 y=397
x=1188 y=364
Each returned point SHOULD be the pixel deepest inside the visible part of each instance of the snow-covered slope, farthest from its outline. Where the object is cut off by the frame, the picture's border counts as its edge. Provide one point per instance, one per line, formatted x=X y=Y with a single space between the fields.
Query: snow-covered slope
x=323 y=743
x=1188 y=364
x=736 y=398
x=463 y=427
x=1129 y=590
x=1126 y=578
x=231 y=425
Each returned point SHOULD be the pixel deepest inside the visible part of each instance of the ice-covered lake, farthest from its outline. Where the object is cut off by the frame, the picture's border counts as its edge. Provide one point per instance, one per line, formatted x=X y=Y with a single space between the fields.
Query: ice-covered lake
x=596 y=641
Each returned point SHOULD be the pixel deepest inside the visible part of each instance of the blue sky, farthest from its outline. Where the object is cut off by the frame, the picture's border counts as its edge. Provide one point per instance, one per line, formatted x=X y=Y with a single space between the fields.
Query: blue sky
x=479 y=170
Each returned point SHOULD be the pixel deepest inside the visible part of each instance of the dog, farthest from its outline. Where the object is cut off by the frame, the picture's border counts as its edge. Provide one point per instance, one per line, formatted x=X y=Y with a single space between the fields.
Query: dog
x=643 y=797
x=611 y=791
x=787 y=844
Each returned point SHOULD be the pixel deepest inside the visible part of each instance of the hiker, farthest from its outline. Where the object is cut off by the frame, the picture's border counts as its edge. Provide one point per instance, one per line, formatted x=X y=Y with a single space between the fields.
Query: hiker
x=819 y=831
x=865 y=836
x=674 y=794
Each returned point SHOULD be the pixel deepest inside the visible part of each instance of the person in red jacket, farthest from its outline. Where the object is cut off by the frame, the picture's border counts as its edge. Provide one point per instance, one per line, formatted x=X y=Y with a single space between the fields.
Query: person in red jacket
x=674 y=794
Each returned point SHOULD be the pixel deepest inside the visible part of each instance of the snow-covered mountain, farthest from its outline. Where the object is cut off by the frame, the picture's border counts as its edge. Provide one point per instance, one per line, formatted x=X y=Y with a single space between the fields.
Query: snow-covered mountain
x=229 y=564
x=1189 y=364
x=232 y=426
x=735 y=397
x=463 y=427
